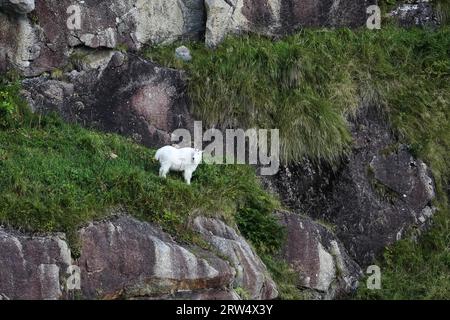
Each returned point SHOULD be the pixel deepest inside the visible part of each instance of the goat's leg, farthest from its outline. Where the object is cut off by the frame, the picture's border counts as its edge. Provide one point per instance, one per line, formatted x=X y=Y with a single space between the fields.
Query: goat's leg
x=187 y=176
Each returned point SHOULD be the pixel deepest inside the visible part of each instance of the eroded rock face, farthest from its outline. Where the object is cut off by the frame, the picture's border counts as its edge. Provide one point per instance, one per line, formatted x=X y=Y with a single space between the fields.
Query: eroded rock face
x=31 y=267
x=124 y=94
x=128 y=258
x=319 y=258
x=377 y=194
x=57 y=26
x=252 y=274
x=279 y=17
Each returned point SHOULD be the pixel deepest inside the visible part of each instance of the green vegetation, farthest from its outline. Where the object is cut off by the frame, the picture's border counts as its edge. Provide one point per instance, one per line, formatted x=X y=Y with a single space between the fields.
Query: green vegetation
x=57 y=176
x=418 y=268
x=13 y=110
x=57 y=74
x=308 y=84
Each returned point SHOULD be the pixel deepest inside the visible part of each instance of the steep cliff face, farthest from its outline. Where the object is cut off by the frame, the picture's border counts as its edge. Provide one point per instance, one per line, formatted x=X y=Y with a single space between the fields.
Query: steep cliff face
x=377 y=194
x=45 y=38
x=126 y=258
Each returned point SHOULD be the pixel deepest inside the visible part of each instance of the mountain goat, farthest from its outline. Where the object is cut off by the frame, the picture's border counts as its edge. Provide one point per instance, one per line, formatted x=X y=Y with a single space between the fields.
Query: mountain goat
x=173 y=159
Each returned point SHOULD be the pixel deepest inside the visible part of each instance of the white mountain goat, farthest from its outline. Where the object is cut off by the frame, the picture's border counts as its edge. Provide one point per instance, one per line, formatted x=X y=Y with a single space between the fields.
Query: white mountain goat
x=173 y=159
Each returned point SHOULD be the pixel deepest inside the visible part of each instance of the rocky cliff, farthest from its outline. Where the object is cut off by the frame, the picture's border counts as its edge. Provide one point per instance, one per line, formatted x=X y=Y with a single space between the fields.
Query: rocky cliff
x=91 y=75
x=41 y=36
x=126 y=258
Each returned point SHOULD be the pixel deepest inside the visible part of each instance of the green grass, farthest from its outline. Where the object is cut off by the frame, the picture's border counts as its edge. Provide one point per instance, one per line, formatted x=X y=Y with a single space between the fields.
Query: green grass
x=57 y=176
x=309 y=84
x=414 y=269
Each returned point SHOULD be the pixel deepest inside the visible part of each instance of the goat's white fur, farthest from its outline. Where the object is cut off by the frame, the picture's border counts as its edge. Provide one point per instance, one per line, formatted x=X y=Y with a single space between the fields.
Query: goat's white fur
x=175 y=159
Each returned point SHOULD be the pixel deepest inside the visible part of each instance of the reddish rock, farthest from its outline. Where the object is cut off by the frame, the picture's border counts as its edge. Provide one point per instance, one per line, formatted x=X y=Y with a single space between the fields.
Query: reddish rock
x=280 y=17
x=31 y=267
x=128 y=258
x=319 y=258
x=251 y=273
x=49 y=31
x=126 y=95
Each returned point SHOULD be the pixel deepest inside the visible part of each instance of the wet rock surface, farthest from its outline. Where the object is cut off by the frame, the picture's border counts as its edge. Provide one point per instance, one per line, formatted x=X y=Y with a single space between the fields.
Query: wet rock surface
x=128 y=258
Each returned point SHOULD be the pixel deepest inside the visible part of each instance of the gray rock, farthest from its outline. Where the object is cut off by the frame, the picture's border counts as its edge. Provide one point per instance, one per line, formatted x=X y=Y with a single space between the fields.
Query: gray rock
x=18 y=6
x=104 y=24
x=373 y=198
x=319 y=258
x=129 y=96
x=183 y=53
x=20 y=43
x=128 y=258
x=415 y=13
x=279 y=17
x=31 y=267
x=251 y=273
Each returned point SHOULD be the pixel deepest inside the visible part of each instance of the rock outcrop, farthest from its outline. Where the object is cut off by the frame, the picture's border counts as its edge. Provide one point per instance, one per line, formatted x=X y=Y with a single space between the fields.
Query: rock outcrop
x=279 y=17
x=379 y=193
x=123 y=258
x=31 y=267
x=44 y=40
x=124 y=94
x=324 y=268
x=127 y=258
x=251 y=273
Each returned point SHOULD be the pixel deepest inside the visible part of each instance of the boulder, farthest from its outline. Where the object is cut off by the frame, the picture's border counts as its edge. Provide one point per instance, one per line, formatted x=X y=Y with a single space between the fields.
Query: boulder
x=321 y=261
x=183 y=53
x=373 y=198
x=117 y=93
x=279 y=17
x=251 y=273
x=31 y=267
x=123 y=258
